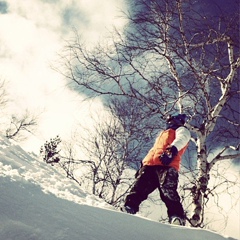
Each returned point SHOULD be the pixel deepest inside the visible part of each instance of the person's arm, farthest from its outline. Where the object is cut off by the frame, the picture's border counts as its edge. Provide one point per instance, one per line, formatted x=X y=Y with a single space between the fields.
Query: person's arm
x=182 y=138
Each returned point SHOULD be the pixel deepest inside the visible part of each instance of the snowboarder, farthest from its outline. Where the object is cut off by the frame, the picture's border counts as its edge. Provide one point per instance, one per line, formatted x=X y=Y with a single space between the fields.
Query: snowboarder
x=160 y=170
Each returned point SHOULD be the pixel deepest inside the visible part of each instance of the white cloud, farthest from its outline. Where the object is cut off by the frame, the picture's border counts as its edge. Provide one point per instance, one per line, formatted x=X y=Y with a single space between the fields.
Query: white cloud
x=31 y=34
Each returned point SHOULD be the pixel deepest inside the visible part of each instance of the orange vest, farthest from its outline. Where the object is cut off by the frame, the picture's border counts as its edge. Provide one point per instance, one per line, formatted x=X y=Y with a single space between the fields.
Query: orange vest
x=162 y=142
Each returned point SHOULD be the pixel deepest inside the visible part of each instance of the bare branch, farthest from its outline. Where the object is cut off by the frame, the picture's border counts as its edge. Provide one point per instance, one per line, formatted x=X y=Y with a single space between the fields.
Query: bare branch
x=221 y=157
x=25 y=123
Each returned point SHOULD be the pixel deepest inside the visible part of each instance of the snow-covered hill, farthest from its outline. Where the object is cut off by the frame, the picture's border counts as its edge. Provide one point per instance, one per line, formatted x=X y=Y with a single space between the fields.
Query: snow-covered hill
x=39 y=203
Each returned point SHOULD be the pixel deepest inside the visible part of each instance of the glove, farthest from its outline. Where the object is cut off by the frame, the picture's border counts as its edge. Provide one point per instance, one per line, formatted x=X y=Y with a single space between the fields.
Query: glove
x=169 y=154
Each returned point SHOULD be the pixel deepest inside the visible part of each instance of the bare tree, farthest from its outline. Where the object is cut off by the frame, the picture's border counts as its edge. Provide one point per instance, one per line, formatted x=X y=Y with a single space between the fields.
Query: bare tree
x=20 y=125
x=114 y=145
x=16 y=126
x=109 y=149
x=172 y=57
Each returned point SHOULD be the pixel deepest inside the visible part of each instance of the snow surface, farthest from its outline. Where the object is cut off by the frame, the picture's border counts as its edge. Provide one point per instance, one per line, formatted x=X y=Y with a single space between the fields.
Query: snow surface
x=39 y=203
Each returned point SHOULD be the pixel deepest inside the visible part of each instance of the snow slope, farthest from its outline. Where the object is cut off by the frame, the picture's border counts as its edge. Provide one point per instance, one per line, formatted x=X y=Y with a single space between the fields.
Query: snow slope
x=39 y=203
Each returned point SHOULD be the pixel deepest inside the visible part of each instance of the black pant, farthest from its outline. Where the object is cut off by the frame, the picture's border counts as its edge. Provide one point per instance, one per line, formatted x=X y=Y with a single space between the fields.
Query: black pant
x=150 y=178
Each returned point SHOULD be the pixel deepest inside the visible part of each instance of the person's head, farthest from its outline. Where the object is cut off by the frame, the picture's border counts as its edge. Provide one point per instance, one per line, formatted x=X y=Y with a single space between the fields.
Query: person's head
x=176 y=121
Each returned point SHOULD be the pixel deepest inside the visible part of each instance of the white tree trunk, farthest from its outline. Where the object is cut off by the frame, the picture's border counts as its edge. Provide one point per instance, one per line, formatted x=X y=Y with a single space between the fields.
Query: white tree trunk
x=201 y=183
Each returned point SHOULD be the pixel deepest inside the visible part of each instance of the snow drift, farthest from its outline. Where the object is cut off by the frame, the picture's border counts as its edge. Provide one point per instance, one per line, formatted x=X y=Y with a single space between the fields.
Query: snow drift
x=39 y=203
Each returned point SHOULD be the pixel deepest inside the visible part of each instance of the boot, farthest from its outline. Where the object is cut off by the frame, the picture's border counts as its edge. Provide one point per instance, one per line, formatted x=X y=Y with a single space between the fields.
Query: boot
x=175 y=220
x=128 y=209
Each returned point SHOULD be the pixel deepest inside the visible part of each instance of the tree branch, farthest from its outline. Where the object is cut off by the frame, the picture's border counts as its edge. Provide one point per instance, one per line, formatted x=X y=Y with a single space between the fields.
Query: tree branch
x=219 y=157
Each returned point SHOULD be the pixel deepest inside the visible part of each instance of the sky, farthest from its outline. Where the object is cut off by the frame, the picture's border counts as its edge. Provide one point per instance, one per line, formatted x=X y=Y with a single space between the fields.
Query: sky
x=32 y=34
x=38 y=202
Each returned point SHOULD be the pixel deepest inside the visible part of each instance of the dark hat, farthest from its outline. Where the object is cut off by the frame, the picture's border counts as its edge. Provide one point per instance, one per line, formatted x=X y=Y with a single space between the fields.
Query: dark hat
x=176 y=120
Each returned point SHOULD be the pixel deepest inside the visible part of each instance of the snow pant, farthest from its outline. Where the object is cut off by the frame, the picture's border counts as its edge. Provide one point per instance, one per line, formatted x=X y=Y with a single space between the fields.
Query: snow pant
x=150 y=178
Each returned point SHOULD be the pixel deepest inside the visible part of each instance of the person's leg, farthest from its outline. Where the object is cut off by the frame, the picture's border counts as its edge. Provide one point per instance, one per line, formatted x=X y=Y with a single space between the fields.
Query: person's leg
x=169 y=194
x=146 y=182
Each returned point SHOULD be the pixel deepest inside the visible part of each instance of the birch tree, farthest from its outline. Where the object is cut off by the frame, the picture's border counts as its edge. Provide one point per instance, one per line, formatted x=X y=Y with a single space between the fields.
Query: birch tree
x=172 y=57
